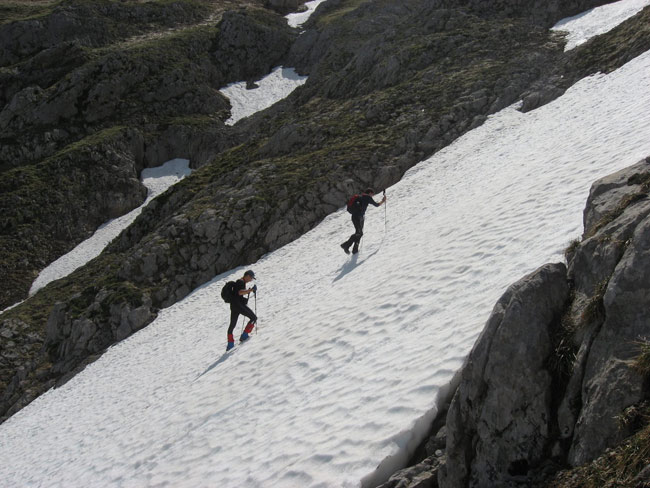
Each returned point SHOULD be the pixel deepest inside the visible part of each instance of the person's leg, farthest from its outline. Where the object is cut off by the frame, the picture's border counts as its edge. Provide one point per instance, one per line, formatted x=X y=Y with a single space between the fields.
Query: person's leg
x=358 y=226
x=346 y=245
x=252 y=319
x=234 y=315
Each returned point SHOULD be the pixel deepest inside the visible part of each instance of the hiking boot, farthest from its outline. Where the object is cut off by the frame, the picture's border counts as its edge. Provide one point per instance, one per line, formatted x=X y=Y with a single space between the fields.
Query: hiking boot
x=355 y=250
x=345 y=248
x=230 y=346
x=244 y=336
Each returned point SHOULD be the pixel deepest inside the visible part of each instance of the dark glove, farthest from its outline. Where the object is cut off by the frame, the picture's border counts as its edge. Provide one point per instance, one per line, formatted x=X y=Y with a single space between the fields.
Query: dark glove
x=254 y=288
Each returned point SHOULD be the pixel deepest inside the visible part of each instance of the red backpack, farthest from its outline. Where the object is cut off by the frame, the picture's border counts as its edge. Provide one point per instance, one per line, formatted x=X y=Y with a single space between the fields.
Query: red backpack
x=354 y=202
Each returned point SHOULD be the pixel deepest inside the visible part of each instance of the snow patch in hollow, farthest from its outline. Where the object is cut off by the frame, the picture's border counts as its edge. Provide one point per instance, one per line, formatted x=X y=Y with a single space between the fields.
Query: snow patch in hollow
x=298 y=18
x=272 y=88
x=157 y=180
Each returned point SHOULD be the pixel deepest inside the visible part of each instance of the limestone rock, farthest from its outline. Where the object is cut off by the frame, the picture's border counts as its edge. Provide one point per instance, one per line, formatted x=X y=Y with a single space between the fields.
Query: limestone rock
x=498 y=421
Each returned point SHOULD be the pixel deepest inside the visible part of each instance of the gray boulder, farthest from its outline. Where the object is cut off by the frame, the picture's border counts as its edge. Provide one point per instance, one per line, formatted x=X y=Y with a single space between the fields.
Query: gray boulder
x=499 y=420
x=422 y=475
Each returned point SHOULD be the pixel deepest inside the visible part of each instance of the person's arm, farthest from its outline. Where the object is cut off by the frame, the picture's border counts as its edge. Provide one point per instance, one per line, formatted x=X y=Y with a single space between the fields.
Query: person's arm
x=249 y=291
x=372 y=200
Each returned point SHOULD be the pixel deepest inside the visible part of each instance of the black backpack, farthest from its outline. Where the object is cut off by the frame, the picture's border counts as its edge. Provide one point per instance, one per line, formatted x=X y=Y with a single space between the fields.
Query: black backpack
x=228 y=292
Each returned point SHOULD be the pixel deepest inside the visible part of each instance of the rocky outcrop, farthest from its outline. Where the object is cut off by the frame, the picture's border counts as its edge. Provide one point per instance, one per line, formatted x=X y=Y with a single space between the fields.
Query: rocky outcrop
x=94 y=24
x=284 y=6
x=138 y=84
x=72 y=337
x=551 y=375
x=544 y=13
x=65 y=199
x=610 y=270
x=499 y=422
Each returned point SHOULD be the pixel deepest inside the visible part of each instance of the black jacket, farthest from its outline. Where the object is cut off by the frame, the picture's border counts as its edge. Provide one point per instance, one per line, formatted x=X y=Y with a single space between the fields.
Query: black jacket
x=360 y=206
x=240 y=285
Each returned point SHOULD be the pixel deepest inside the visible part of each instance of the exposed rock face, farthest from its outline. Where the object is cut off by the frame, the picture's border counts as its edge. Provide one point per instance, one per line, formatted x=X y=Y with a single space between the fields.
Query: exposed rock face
x=422 y=475
x=94 y=25
x=71 y=339
x=63 y=199
x=284 y=5
x=611 y=267
x=498 y=421
x=514 y=411
x=546 y=13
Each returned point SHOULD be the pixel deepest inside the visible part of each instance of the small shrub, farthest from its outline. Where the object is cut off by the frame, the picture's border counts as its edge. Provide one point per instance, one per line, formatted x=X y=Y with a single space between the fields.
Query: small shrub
x=571 y=249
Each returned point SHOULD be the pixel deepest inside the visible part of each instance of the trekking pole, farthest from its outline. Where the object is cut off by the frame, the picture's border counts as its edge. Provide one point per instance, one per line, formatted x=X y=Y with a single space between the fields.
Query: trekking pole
x=258 y=327
x=385 y=203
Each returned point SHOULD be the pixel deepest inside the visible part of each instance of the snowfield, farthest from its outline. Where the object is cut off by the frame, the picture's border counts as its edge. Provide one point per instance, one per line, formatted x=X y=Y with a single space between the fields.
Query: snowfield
x=352 y=355
x=271 y=88
x=580 y=28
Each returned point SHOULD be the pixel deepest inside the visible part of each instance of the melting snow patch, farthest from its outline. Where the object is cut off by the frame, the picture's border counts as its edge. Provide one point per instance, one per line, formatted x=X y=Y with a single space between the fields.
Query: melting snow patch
x=157 y=180
x=272 y=88
x=596 y=21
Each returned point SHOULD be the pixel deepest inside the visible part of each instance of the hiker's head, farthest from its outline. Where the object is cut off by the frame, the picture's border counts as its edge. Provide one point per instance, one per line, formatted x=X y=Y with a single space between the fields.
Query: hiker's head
x=249 y=275
x=370 y=192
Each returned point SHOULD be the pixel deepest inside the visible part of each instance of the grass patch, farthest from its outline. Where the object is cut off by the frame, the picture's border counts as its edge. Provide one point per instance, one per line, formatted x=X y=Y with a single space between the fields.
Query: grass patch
x=25 y=10
x=571 y=249
x=642 y=361
x=612 y=215
x=619 y=467
x=595 y=309
x=342 y=9
x=561 y=362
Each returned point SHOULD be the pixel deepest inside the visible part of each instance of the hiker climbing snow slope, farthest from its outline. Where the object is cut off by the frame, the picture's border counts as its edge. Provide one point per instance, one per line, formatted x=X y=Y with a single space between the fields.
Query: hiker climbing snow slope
x=357 y=205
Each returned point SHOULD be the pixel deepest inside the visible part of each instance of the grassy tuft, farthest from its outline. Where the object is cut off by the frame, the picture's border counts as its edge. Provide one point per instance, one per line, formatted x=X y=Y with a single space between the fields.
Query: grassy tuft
x=642 y=361
x=571 y=249
x=617 y=468
x=595 y=308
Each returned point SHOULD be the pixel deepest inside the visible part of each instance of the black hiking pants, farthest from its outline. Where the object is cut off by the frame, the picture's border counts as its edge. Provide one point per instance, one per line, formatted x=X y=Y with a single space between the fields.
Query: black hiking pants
x=357 y=221
x=237 y=309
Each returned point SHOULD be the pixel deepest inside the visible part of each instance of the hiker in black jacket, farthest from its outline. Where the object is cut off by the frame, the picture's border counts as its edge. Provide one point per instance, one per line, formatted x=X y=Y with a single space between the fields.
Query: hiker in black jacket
x=238 y=305
x=358 y=209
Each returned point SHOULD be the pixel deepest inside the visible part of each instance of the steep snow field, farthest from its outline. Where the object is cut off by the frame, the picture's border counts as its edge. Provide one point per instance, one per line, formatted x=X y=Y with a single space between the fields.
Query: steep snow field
x=352 y=354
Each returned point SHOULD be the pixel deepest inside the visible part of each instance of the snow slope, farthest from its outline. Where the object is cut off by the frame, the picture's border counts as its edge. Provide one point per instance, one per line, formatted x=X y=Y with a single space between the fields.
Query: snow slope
x=270 y=89
x=353 y=354
x=582 y=27
x=299 y=18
